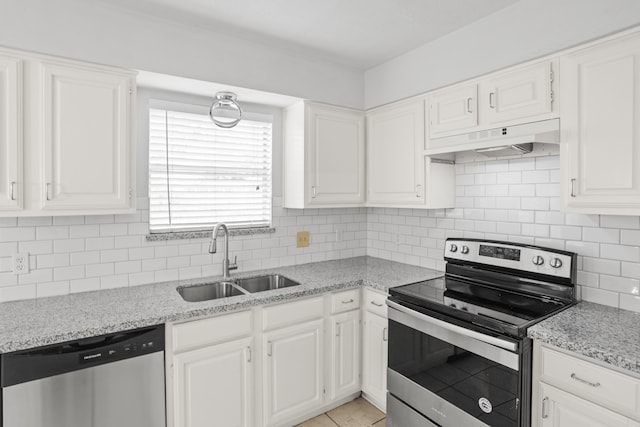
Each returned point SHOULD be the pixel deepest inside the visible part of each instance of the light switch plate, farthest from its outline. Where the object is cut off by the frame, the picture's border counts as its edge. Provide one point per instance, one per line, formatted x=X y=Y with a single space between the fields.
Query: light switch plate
x=302 y=239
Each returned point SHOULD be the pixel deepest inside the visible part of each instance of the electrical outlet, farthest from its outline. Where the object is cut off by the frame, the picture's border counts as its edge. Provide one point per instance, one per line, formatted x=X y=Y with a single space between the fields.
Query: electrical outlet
x=20 y=263
x=302 y=239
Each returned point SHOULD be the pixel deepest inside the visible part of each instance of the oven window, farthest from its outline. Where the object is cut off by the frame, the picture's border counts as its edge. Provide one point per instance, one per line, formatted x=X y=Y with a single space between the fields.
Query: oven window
x=474 y=384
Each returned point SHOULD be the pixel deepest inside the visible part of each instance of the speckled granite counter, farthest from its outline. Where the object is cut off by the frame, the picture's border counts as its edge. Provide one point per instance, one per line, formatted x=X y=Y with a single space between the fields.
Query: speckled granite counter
x=33 y=323
x=603 y=333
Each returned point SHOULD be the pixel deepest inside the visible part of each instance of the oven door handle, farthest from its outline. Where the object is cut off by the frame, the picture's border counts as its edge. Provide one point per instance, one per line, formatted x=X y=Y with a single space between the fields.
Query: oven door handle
x=507 y=345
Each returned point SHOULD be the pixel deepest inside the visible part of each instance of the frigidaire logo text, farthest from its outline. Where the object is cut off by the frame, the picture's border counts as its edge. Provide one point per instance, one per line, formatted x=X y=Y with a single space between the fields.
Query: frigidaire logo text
x=92 y=356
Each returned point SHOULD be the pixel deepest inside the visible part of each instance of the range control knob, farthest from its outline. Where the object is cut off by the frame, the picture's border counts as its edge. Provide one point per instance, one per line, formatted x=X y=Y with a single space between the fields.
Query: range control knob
x=465 y=250
x=453 y=248
x=537 y=260
x=555 y=262
x=464 y=309
x=452 y=305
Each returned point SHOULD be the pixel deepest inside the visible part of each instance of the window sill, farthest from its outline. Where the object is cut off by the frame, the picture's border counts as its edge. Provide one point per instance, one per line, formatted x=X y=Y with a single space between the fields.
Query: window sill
x=181 y=235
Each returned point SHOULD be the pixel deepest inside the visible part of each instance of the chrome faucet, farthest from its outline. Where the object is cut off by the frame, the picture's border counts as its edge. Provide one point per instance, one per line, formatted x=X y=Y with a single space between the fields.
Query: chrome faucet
x=213 y=247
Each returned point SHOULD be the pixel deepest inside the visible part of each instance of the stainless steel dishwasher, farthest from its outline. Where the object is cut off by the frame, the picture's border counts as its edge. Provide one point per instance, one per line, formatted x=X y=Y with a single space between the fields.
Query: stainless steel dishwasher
x=114 y=380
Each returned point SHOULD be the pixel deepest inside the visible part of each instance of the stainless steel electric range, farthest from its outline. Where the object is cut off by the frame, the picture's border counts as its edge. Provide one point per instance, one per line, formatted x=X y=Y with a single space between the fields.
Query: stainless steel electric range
x=458 y=350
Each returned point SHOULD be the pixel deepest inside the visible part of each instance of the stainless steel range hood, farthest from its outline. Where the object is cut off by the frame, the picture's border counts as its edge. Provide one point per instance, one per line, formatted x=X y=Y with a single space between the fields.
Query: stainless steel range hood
x=503 y=141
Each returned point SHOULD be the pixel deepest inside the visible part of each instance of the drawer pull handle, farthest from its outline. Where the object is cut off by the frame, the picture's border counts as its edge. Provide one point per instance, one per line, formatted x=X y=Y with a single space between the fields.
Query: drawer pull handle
x=577 y=378
x=545 y=412
x=376 y=304
x=347 y=301
x=573 y=187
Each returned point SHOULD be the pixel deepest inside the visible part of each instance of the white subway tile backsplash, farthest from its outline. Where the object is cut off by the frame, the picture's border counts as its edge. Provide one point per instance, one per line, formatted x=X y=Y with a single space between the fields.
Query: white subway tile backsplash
x=601 y=235
x=618 y=252
x=600 y=296
x=621 y=285
x=603 y=266
x=515 y=200
x=620 y=221
x=630 y=302
x=630 y=237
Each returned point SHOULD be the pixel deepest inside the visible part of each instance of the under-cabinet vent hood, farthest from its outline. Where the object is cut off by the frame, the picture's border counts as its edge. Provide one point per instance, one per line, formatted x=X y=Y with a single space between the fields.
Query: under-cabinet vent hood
x=504 y=141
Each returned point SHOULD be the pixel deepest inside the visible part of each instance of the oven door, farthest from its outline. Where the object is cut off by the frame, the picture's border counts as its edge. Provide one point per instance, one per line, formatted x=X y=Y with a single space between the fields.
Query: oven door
x=452 y=375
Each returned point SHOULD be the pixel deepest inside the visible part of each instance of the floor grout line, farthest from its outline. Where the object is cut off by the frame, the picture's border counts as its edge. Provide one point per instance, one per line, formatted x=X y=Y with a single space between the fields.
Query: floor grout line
x=332 y=420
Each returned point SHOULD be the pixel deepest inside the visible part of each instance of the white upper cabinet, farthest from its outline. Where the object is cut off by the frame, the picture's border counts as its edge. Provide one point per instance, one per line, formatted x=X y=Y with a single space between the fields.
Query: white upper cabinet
x=398 y=173
x=11 y=177
x=453 y=110
x=395 y=167
x=66 y=137
x=323 y=156
x=86 y=137
x=600 y=128
x=514 y=96
x=521 y=94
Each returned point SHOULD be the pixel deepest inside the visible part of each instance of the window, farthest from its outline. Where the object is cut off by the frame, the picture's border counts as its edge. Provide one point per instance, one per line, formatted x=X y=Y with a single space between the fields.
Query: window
x=200 y=174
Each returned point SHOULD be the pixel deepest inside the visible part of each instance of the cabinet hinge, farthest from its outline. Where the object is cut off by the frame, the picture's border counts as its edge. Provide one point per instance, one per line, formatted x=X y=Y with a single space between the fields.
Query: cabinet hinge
x=130 y=91
x=130 y=192
x=551 y=76
x=551 y=95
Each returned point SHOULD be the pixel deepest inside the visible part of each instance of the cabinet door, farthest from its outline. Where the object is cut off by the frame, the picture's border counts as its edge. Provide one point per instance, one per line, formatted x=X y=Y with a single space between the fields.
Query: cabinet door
x=292 y=371
x=520 y=94
x=558 y=408
x=86 y=138
x=11 y=182
x=601 y=128
x=335 y=163
x=345 y=354
x=374 y=360
x=454 y=110
x=395 y=166
x=214 y=385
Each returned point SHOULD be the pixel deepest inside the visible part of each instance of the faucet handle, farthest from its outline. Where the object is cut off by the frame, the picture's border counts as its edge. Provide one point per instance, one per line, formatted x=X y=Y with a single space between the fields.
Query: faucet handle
x=234 y=266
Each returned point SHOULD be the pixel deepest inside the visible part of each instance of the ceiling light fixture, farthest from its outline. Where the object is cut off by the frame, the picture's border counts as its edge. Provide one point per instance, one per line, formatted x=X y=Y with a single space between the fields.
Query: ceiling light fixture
x=225 y=111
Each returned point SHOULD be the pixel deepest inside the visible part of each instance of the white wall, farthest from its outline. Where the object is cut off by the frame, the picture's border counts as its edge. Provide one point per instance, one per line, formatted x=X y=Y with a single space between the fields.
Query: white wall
x=94 y=31
x=526 y=30
x=517 y=200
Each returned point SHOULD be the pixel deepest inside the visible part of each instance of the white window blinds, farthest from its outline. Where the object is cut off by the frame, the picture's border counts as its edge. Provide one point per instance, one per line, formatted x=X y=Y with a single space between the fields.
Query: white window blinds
x=200 y=174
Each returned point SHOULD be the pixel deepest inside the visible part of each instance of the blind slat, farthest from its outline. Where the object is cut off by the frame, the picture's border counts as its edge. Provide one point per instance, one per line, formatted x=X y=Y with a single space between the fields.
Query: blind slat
x=200 y=174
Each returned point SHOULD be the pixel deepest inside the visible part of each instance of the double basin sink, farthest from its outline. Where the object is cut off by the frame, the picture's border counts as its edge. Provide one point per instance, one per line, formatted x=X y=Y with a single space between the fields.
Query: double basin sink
x=236 y=287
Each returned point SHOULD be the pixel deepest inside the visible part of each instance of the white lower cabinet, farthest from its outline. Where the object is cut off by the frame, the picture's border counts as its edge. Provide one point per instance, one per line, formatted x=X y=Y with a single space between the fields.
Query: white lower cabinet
x=210 y=372
x=571 y=391
x=277 y=365
x=214 y=385
x=292 y=371
x=345 y=354
x=375 y=348
x=562 y=409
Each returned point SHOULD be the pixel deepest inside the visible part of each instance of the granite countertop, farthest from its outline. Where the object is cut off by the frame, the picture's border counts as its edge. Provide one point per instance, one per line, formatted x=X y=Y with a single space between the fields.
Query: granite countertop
x=32 y=323
x=607 y=334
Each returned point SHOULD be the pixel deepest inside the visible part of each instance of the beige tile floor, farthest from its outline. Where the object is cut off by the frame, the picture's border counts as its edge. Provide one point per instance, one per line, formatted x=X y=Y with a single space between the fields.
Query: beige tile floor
x=357 y=413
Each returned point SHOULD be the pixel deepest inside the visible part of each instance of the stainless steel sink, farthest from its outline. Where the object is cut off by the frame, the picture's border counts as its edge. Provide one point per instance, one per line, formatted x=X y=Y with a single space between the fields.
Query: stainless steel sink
x=265 y=283
x=237 y=287
x=209 y=291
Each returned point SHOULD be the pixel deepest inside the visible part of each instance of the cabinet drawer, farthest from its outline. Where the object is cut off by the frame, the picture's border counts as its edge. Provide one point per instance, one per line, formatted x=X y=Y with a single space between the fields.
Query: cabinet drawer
x=375 y=302
x=291 y=313
x=345 y=301
x=200 y=333
x=595 y=383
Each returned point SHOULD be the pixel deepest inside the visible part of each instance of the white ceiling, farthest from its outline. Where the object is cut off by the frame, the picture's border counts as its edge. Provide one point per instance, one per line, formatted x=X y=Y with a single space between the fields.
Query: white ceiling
x=357 y=33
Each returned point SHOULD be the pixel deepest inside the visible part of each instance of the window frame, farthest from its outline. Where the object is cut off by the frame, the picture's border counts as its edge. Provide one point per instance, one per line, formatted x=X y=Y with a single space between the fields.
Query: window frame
x=250 y=112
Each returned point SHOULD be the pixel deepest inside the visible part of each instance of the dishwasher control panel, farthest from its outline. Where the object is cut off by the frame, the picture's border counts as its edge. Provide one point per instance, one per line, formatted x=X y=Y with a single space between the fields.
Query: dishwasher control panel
x=42 y=362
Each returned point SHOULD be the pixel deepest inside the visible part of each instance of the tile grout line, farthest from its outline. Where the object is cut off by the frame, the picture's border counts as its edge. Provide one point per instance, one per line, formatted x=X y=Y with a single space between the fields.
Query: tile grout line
x=332 y=420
